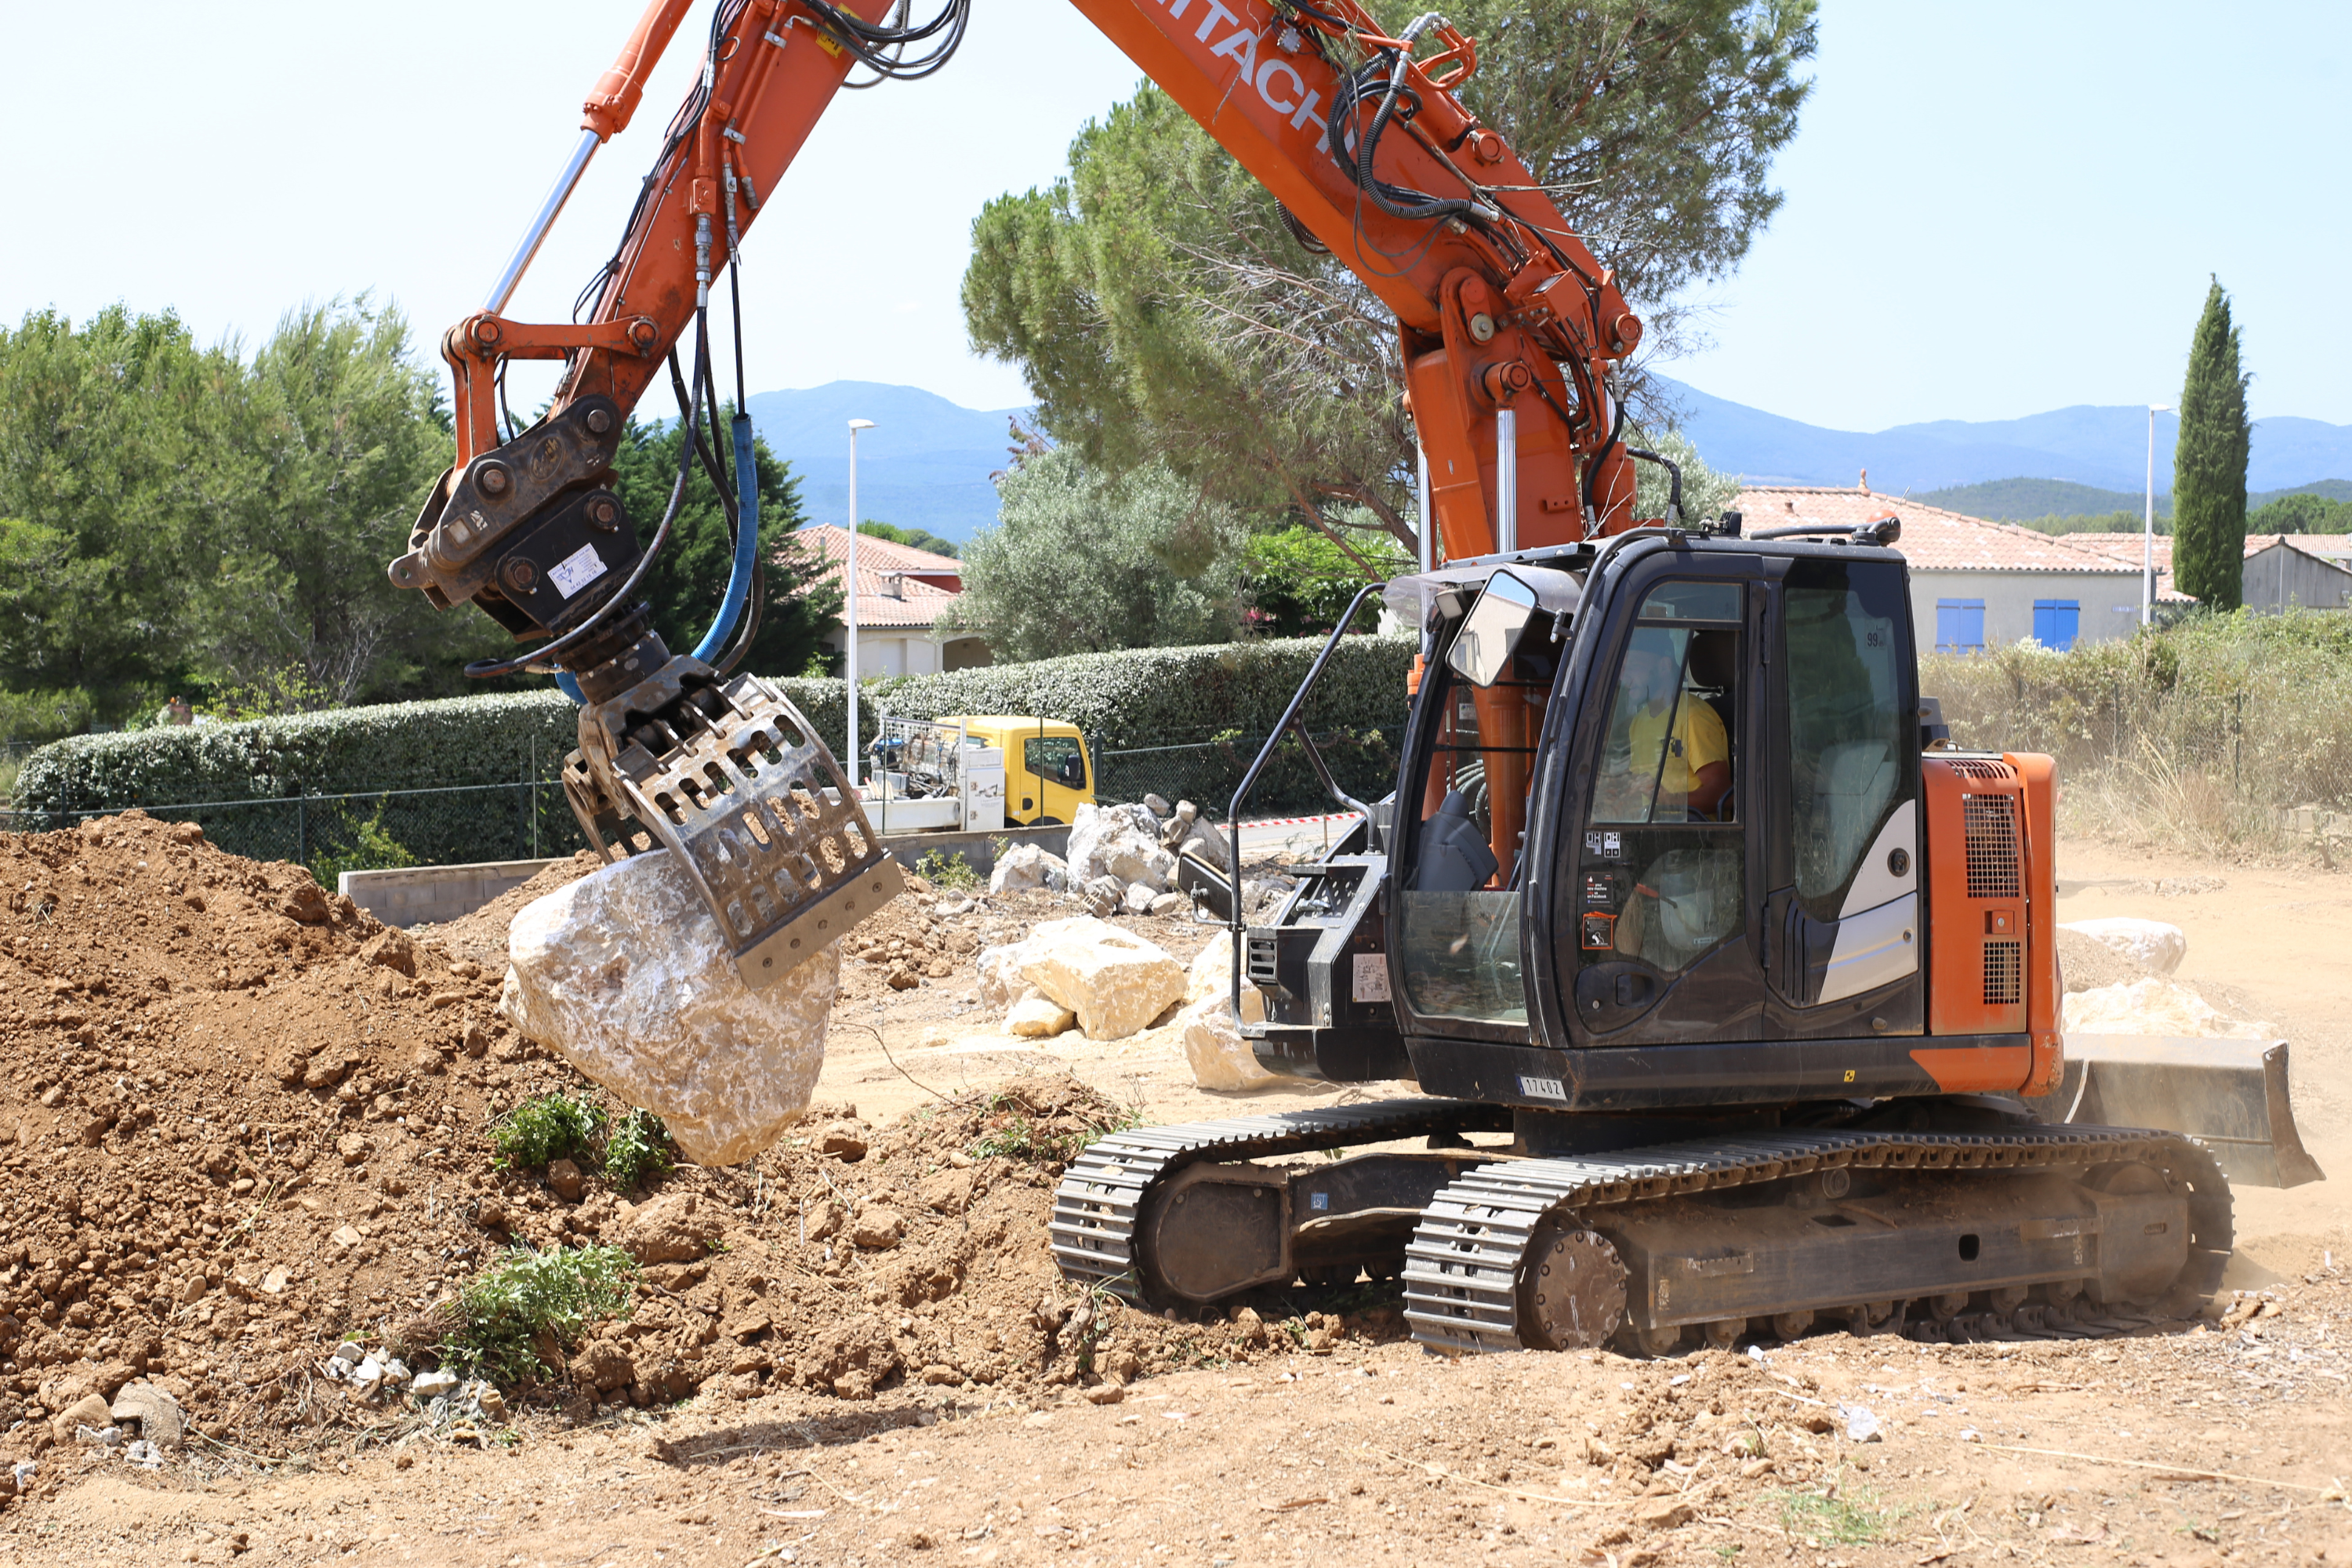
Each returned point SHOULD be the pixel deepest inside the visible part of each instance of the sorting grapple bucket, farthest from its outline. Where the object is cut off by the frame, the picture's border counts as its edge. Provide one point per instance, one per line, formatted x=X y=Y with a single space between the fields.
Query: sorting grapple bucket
x=731 y=777
x=2229 y=1095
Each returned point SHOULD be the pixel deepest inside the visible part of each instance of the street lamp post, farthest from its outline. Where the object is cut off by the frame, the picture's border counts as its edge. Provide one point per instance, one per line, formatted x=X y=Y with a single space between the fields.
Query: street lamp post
x=2148 y=535
x=849 y=599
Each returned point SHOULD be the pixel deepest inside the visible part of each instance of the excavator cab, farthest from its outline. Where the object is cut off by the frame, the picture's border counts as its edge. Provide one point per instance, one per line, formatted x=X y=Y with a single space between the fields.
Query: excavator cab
x=1744 y=976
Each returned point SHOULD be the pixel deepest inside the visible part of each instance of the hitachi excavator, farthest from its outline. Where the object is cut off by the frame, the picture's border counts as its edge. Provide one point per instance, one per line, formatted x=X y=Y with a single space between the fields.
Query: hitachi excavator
x=1684 y=902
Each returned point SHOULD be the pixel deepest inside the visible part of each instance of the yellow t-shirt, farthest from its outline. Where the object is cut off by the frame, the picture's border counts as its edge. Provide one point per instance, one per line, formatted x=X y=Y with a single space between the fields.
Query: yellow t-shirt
x=1698 y=739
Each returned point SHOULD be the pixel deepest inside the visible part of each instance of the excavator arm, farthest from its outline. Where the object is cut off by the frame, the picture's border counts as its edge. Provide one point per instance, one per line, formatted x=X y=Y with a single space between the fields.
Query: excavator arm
x=1510 y=332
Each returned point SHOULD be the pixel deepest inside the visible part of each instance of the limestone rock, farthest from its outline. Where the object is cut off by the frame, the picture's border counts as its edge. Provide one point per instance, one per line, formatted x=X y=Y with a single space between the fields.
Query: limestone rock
x=157 y=1413
x=1037 y=1017
x=1026 y=866
x=2151 y=944
x=626 y=973
x=1122 y=842
x=1139 y=897
x=667 y=1230
x=1116 y=982
x=1000 y=984
x=1212 y=975
x=1220 y=1058
x=1186 y=833
x=1167 y=904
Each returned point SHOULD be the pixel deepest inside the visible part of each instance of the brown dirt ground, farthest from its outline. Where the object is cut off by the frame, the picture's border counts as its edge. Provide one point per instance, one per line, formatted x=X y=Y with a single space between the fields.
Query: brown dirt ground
x=923 y=1398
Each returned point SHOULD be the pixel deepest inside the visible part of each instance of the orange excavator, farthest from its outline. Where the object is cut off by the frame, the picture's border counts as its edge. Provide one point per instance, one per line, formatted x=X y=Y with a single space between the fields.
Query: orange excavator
x=1684 y=902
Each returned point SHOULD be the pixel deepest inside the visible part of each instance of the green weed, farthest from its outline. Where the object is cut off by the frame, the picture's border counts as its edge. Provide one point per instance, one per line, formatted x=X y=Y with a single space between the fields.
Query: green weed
x=1009 y=1131
x=636 y=1151
x=1845 y=1517
x=949 y=873
x=520 y=1316
x=543 y=1127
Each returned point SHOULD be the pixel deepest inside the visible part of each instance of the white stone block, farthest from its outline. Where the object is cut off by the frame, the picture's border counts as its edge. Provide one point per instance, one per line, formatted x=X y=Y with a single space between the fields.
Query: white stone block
x=626 y=973
x=1116 y=982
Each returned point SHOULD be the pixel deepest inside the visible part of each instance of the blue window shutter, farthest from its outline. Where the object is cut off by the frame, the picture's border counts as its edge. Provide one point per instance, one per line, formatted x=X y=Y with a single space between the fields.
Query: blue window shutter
x=1960 y=625
x=2057 y=623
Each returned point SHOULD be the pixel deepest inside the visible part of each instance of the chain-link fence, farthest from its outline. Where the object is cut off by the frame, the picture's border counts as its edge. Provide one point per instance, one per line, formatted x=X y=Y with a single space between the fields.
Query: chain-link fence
x=1208 y=770
x=528 y=820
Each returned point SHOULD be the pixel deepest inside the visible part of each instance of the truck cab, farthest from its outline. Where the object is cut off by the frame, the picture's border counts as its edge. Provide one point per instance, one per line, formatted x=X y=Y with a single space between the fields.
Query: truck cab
x=1048 y=773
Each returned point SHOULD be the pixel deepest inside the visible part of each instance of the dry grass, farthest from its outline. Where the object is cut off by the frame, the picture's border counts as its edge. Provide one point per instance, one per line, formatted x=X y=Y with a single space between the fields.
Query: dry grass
x=2197 y=737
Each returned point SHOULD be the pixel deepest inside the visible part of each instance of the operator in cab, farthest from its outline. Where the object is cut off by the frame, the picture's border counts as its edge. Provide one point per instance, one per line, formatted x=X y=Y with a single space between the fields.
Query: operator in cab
x=1675 y=732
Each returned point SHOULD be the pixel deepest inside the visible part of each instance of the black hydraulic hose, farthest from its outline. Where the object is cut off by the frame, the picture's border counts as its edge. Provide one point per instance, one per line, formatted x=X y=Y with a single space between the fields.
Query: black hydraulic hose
x=487 y=669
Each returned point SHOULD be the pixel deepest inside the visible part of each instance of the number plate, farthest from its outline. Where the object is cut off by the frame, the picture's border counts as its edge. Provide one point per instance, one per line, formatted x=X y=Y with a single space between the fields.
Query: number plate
x=1543 y=1088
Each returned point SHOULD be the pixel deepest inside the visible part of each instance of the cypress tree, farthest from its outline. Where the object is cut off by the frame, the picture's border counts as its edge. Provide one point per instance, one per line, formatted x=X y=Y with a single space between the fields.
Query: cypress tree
x=2208 y=464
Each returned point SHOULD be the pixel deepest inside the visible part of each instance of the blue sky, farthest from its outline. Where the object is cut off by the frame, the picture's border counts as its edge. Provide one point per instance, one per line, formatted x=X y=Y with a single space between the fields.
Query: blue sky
x=1993 y=208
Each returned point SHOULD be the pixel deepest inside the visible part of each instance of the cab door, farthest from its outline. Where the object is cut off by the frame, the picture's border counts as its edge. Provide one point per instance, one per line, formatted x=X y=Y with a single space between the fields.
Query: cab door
x=1654 y=915
x=1841 y=933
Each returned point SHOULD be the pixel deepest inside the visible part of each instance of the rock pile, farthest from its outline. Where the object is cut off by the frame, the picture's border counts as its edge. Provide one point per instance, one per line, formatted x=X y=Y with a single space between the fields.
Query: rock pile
x=1139 y=858
x=1109 y=983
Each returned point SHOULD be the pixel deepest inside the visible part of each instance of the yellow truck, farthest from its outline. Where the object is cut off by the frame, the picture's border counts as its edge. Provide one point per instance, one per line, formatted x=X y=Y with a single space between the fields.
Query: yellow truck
x=1047 y=774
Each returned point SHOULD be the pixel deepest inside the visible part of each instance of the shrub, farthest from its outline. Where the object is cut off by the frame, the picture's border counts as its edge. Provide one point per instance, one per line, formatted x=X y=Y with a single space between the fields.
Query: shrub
x=371 y=849
x=510 y=1315
x=636 y=1151
x=2199 y=733
x=547 y=1127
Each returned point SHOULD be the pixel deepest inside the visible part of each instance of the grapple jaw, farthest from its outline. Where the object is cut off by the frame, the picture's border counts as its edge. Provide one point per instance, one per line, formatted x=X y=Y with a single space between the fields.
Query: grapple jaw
x=731 y=778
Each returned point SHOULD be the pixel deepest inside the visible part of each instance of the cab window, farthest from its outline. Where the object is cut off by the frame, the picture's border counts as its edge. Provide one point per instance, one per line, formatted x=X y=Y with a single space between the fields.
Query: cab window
x=1847 y=724
x=1662 y=867
x=1060 y=759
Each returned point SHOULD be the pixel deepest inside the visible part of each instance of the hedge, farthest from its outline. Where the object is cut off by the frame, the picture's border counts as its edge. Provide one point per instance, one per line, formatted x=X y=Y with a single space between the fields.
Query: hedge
x=1191 y=717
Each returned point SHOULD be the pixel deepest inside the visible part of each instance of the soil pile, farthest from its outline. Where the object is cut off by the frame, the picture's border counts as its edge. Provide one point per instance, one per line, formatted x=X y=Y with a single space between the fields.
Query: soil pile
x=244 y=1123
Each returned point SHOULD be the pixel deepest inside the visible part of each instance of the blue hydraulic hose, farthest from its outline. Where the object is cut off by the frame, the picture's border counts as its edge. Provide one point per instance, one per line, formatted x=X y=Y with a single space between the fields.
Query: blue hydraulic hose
x=747 y=544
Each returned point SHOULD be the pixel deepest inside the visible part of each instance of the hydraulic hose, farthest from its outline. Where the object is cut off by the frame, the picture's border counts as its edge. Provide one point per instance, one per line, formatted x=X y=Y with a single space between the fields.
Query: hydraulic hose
x=747 y=544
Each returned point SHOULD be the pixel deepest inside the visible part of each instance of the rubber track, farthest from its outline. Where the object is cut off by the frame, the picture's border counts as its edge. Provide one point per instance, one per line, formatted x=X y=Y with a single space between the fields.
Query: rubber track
x=1101 y=1196
x=1462 y=1266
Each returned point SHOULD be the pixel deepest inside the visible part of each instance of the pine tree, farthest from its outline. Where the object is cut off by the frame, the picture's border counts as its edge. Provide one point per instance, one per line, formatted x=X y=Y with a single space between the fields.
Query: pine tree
x=2208 y=464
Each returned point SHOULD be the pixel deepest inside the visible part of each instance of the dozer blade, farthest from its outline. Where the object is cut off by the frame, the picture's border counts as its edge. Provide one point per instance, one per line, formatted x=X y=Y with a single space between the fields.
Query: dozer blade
x=2231 y=1095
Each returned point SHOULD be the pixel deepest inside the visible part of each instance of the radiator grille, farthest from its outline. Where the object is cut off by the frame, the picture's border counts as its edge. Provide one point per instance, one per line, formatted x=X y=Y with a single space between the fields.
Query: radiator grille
x=1259 y=953
x=1978 y=768
x=1989 y=825
x=2004 y=973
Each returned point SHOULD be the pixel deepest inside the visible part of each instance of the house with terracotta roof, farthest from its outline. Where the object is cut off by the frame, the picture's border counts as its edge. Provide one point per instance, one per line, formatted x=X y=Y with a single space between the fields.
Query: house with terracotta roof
x=901 y=595
x=1977 y=584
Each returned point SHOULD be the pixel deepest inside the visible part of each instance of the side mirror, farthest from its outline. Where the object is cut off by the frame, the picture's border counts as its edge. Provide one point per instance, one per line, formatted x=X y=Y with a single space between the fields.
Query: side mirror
x=1482 y=650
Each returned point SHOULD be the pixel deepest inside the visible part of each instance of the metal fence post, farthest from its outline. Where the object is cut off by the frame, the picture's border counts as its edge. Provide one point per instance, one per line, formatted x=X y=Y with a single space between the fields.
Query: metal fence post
x=302 y=829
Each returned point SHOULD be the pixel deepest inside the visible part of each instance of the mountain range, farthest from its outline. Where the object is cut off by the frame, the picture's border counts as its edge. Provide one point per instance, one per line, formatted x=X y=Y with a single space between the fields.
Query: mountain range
x=925 y=463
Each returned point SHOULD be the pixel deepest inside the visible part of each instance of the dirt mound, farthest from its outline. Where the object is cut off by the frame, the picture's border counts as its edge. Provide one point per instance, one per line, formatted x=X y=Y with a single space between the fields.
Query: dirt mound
x=2086 y=963
x=245 y=1123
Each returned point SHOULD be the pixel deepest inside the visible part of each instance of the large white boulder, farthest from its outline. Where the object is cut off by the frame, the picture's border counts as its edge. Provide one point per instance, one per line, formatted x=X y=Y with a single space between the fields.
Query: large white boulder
x=2151 y=944
x=626 y=973
x=1116 y=982
x=1122 y=842
x=1026 y=866
x=2155 y=1006
x=1213 y=1047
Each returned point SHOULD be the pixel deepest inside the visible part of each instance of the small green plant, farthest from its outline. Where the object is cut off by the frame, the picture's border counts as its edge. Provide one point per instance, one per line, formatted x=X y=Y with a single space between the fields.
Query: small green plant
x=520 y=1315
x=1008 y=1131
x=1837 y=1516
x=371 y=849
x=543 y=1127
x=636 y=1151
x=949 y=873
